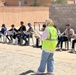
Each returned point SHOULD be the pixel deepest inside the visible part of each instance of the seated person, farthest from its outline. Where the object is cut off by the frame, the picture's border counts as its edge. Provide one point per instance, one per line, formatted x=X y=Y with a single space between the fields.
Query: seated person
x=73 y=44
x=65 y=36
x=58 y=31
x=37 y=38
x=3 y=32
x=13 y=33
x=28 y=34
x=3 y=29
x=20 y=31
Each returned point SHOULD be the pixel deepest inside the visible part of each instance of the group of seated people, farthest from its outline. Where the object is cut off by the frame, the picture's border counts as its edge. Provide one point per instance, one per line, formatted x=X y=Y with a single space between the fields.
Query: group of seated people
x=65 y=36
x=20 y=33
x=17 y=34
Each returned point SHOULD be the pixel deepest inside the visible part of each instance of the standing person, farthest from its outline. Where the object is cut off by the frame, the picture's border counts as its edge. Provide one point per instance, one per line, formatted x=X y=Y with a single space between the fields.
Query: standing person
x=49 y=42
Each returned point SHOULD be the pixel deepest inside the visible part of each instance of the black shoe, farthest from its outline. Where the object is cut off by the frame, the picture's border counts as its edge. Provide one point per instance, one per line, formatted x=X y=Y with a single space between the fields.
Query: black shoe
x=27 y=43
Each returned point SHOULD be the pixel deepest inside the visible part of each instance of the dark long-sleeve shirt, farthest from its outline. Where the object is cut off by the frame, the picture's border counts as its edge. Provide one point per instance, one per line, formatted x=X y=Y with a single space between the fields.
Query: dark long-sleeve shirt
x=22 y=28
x=14 y=30
x=3 y=30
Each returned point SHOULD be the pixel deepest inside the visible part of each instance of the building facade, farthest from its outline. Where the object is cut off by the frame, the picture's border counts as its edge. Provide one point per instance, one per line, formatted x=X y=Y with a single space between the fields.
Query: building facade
x=71 y=1
x=24 y=2
x=29 y=2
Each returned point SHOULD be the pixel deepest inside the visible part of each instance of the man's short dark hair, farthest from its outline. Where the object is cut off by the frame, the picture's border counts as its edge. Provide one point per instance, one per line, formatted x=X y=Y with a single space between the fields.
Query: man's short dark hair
x=22 y=22
x=68 y=25
x=3 y=25
x=44 y=25
x=12 y=25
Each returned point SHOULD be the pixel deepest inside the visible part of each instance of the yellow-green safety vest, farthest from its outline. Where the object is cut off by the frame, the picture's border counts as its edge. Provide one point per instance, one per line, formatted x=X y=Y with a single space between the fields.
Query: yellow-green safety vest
x=51 y=41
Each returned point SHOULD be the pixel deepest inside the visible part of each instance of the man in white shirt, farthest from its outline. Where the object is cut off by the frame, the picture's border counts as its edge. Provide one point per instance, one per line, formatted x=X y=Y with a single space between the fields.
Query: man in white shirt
x=66 y=35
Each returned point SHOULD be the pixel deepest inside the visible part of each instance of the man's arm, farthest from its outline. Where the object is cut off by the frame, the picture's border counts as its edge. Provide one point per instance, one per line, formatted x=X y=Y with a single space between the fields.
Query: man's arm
x=63 y=33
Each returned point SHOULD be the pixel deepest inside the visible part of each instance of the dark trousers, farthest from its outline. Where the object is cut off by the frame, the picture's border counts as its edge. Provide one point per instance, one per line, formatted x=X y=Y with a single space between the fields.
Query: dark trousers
x=37 y=42
x=9 y=37
x=24 y=37
x=61 y=40
x=73 y=43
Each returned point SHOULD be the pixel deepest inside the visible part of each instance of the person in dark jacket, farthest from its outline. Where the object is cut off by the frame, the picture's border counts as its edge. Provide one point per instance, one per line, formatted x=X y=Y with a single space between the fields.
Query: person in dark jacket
x=3 y=29
x=20 y=31
x=13 y=33
x=22 y=27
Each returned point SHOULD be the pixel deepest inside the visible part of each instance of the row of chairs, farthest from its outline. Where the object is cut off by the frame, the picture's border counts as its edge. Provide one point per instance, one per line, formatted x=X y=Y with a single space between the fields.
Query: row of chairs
x=3 y=39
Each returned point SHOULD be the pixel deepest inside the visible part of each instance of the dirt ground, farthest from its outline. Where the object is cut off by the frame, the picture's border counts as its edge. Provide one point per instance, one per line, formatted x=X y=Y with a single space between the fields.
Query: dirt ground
x=23 y=60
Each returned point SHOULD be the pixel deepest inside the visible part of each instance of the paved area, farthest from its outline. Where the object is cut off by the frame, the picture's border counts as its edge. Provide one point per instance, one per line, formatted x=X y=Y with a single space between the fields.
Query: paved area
x=23 y=60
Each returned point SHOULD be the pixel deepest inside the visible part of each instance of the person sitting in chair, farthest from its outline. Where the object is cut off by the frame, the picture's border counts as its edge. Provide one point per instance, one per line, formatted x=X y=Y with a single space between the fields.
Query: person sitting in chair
x=3 y=32
x=37 y=38
x=20 y=32
x=3 y=29
x=27 y=34
x=73 y=44
x=13 y=31
x=65 y=36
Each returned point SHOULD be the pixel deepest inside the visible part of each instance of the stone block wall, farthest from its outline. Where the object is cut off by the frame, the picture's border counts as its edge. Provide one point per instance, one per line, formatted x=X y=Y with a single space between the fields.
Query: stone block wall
x=63 y=14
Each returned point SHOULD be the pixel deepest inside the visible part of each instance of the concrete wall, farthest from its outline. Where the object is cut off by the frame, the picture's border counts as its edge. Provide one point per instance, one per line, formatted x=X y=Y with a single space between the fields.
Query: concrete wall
x=13 y=15
x=63 y=14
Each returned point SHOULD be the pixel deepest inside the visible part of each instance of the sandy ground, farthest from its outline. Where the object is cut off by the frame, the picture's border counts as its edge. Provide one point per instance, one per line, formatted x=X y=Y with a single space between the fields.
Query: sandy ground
x=22 y=60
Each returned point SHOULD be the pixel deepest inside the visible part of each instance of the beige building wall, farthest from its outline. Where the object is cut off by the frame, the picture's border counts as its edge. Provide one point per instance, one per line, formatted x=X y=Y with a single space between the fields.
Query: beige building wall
x=71 y=1
x=13 y=15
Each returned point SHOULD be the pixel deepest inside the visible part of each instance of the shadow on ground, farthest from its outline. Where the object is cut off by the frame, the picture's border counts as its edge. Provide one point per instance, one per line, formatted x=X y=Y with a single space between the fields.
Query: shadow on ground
x=27 y=72
x=33 y=73
x=62 y=50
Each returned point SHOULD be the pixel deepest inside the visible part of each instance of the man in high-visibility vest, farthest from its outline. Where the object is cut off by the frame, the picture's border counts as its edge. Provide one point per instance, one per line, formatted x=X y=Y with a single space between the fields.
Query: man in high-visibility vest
x=49 y=42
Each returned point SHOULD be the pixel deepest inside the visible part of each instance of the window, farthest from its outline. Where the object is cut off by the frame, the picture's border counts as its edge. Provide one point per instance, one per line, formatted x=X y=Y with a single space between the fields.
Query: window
x=25 y=2
x=35 y=1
